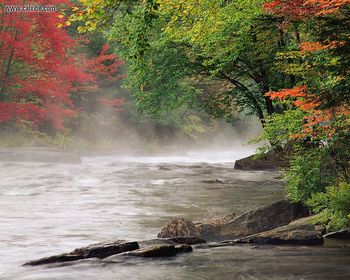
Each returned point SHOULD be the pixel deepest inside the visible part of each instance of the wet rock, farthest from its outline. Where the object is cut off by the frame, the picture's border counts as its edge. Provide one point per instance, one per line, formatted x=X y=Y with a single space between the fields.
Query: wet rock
x=261 y=219
x=343 y=234
x=158 y=251
x=100 y=250
x=269 y=161
x=290 y=234
x=179 y=227
x=310 y=220
x=338 y=239
x=191 y=240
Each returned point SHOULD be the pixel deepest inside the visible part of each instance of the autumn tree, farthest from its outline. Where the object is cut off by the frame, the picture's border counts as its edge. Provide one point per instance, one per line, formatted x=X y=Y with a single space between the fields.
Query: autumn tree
x=43 y=75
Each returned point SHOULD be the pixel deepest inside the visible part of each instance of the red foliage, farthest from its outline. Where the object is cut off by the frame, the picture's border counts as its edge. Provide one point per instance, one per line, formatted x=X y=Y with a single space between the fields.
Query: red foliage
x=21 y=111
x=39 y=67
x=293 y=9
x=297 y=9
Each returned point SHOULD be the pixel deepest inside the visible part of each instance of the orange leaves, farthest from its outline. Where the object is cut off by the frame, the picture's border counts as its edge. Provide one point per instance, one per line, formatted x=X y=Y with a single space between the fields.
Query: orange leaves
x=317 y=122
x=317 y=46
x=326 y=123
x=312 y=46
x=299 y=91
x=305 y=105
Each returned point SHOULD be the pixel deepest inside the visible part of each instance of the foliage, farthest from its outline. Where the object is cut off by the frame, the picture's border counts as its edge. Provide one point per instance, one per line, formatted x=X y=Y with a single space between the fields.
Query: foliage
x=160 y=38
x=321 y=95
x=333 y=206
x=309 y=173
x=45 y=76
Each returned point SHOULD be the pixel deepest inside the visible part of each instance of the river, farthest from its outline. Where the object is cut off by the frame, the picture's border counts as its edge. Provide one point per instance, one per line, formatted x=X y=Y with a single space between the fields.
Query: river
x=48 y=208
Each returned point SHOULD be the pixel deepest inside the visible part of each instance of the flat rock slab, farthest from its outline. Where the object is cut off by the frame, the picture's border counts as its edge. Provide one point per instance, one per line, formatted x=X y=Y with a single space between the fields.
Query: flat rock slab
x=258 y=220
x=290 y=234
x=159 y=251
x=100 y=250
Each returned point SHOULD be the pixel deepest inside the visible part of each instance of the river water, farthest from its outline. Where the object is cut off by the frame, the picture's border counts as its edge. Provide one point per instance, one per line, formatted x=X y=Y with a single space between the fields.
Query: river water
x=48 y=208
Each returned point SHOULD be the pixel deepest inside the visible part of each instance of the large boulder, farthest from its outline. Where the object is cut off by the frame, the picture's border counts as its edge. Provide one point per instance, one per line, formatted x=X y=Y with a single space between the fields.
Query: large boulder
x=179 y=227
x=100 y=250
x=269 y=161
x=258 y=220
x=302 y=234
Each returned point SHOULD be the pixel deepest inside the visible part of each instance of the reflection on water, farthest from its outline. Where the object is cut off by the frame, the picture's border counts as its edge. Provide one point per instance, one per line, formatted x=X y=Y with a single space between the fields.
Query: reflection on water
x=50 y=208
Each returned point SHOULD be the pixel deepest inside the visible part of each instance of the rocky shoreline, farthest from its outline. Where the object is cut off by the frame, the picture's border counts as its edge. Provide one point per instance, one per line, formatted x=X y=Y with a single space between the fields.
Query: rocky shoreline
x=270 y=161
x=281 y=223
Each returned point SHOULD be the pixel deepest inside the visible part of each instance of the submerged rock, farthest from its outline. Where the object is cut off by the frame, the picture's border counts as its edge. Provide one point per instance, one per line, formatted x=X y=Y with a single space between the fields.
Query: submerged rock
x=258 y=220
x=290 y=234
x=157 y=251
x=100 y=250
x=179 y=227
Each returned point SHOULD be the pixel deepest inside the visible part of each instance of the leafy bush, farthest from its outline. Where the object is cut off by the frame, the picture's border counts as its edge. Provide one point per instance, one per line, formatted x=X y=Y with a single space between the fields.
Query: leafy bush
x=333 y=206
x=309 y=173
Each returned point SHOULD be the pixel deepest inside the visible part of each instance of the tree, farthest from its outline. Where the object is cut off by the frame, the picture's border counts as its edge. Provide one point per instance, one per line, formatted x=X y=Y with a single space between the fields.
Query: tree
x=42 y=69
x=217 y=46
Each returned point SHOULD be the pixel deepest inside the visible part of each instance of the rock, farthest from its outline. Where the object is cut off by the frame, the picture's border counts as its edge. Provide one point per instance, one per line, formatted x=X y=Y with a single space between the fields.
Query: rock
x=191 y=240
x=158 y=251
x=310 y=220
x=179 y=227
x=290 y=234
x=100 y=250
x=269 y=161
x=261 y=219
x=171 y=241
x=338 y=239
x=343 y=234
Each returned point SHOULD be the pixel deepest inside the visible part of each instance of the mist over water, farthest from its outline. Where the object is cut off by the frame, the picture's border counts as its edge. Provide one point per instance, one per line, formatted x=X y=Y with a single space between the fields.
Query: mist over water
x=52 y=206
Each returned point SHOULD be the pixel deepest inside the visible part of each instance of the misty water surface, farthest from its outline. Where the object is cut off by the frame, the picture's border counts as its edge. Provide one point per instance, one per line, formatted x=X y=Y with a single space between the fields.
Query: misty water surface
x=51 y=208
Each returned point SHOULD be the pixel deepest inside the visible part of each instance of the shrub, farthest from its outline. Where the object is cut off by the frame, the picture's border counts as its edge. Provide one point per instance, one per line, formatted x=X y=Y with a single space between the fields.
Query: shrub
x=333 y=206
x=309 y=173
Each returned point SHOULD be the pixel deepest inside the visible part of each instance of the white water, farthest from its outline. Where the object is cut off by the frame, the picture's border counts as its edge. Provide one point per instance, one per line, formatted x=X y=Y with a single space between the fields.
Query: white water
x=51 y=208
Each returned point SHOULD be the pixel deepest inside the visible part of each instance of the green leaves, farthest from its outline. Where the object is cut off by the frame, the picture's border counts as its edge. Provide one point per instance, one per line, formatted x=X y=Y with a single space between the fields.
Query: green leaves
x=333 y=206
